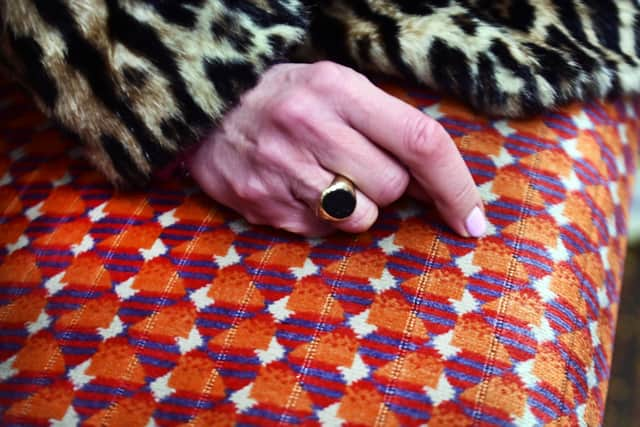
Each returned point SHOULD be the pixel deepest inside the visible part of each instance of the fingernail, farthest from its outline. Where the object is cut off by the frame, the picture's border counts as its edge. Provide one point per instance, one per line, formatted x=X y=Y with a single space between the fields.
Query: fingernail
x=476 y=223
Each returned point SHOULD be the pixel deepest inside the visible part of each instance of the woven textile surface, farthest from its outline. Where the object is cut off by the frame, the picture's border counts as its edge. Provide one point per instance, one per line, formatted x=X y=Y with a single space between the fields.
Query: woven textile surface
x=160 y=308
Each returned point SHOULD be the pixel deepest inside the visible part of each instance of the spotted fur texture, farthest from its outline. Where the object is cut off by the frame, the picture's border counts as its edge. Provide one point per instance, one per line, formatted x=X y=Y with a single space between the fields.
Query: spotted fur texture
x=138 y=80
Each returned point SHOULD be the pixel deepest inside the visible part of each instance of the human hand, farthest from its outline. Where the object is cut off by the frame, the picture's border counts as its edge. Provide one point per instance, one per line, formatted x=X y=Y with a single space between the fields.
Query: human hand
x=275 y=153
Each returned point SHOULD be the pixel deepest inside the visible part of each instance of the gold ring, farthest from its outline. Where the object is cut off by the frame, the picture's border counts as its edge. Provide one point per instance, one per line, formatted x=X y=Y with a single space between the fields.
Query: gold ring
x=338 y=201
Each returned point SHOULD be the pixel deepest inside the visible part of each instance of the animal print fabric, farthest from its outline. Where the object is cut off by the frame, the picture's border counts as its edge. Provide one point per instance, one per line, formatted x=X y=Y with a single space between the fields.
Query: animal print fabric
x=159 y=308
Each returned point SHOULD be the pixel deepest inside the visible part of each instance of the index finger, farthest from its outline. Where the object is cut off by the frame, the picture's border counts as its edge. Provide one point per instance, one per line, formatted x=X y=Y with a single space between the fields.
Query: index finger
x=421 y=144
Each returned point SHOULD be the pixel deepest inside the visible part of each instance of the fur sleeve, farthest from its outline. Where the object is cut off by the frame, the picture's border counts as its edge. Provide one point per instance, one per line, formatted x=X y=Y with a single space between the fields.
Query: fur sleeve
x=138 y=80
x=507 y=58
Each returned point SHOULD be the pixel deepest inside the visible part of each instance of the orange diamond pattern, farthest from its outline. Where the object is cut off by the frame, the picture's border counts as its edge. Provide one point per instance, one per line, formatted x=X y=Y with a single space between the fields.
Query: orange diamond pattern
x=161 y=309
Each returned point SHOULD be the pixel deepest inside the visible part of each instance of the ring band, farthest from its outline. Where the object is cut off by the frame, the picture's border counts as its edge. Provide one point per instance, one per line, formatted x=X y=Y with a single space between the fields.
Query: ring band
x=338 y=201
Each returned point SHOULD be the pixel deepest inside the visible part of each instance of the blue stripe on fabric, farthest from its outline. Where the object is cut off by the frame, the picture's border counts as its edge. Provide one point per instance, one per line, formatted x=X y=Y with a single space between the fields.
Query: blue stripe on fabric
x=405 y=394
x=179 y=237
x=416 y=414
x=580 y=236
x=495 y=322
x=247 y=375
x=318 y=373
x=589 y=295
x=150 y=360
x=266 y=272
x=60 y=306
x=193 y=275
x=376 y=354
x=274 y=287
x=29 y=380
x=567 y=312
x=459 y=123
x=587 y=173
x=79 y=336
x=436 y=319
x=463 y=376
x=537 y=142
x=254 y=360
x=353 y=299
x=543 y=188
x=189 y=403
x=404 y=268
x=229 y=312
x=78 y=351
x=93 y=404
x=392 y=342
x=17 y=332
x=519 y=149
x=326 y=256
x=121 y=256
x=425 y=302
x=171 y=416
x=333 y=394
x=128 y=311
x=353 y=285
x=467 y=244
x=546 y=179
x=485 y=419
x=418 y=259
x=555 y=319
x=577 y=384
x=481 y=172
x=168 y=348
x=503 y=216
x=576 y=248
x=53 y=264
x=212 y=324
x=104 y=389
x=479 y=159
x=555 y=125
x=266 y=414
x=534 y=262
x=121 y=268
x=310 y=324
x=480 y=366
x=551 y=397
x=517 y=344
x=199 y=263
x=153 y=301
x=75 y=293
x=529 y=248
x=482 y=290
x=53 y=252
x=14 y=289
x=14 y=395
x=293 y=336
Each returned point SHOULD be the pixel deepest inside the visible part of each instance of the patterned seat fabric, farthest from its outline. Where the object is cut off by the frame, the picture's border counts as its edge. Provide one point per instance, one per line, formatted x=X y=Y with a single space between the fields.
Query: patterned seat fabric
x=160 y=309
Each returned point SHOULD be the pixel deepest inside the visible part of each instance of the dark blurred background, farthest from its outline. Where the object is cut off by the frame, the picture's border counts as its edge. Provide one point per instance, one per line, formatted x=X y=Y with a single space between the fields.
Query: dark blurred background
x=623 y=402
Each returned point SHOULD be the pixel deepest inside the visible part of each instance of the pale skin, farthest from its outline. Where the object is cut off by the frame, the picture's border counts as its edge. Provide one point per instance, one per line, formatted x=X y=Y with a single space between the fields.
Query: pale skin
x=283 y=144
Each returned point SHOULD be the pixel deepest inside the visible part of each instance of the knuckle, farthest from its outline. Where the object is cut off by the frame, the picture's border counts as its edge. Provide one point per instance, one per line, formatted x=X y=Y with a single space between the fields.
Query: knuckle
x=253 y=218
x=291 y=226
x=293 y=109
x=394 y=185
x=362 y=219
x=250 y=189
x=268 y=152
x=419 y=137
x=325 y=76
x=464 y=195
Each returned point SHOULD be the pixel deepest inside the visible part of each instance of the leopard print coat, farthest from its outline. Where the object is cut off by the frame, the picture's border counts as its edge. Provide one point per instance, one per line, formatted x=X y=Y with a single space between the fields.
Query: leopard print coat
x=139 y=80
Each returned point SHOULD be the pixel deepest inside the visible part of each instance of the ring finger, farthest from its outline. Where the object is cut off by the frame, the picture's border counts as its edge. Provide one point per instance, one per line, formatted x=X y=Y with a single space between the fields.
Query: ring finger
x=313 y=181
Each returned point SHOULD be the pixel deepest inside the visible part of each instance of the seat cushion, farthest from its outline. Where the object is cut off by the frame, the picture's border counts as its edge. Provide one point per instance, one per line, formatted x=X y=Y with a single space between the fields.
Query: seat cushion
x=160 y=308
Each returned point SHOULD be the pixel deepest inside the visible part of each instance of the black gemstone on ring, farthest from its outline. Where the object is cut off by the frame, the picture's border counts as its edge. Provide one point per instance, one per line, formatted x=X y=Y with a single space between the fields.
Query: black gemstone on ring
x=339 y=203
